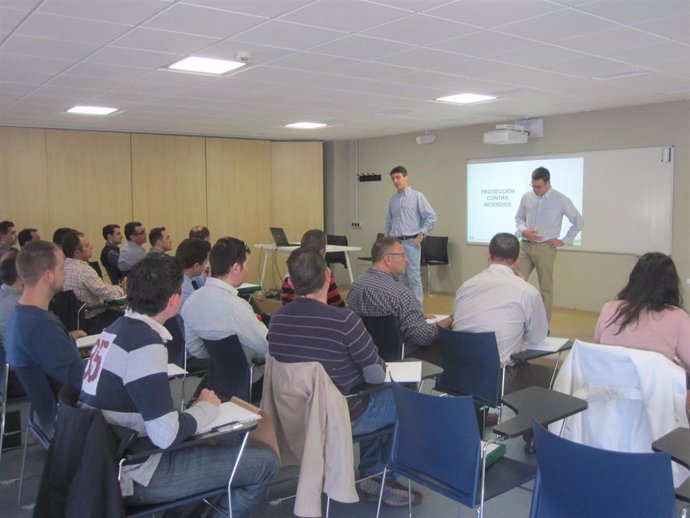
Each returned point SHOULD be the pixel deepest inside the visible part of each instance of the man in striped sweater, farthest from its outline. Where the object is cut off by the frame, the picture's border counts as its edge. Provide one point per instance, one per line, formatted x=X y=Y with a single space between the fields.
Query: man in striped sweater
x=126 y=377
x=307 y=330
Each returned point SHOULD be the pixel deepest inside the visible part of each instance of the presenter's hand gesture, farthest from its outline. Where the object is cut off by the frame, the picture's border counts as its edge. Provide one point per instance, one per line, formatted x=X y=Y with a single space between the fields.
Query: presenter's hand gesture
x=555 y=243
x=531 y=235
x=418 y=240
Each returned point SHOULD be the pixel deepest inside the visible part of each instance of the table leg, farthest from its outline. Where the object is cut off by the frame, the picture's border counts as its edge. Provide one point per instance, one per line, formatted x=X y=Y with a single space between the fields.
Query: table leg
x=349 y=267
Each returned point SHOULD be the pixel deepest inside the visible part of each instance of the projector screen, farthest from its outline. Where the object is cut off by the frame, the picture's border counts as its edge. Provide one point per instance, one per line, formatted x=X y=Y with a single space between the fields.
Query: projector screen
x=494 y=190
x=625 y=197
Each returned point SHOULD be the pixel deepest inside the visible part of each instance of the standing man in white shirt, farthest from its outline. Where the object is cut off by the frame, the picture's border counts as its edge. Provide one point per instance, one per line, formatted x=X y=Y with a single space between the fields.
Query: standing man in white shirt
x=410 y=217
x=499 y=300
x=538 y=221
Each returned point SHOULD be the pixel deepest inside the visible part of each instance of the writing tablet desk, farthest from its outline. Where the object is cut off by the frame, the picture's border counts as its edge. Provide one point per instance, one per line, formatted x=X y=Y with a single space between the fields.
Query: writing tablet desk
x=533 y=354
x=544 y=405
x=677 y=444
x=429 y=371
x=272 y=247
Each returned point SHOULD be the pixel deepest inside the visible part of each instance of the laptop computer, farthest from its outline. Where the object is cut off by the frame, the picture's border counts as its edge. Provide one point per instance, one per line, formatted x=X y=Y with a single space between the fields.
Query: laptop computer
x=279 y=236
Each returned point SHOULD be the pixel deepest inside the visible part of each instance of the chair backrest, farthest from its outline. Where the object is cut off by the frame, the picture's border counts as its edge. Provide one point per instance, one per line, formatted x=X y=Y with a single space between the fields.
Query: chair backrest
x=385 y=332
x=176 y=346
x=471 y=365
x=379 y=235
x=336 y=257
x=65 y=305
x=574 y=480
x=434 y=250
x=97 y=268
x=634 y=396
x=43 y=403
x=425 y=422
x=229 y=373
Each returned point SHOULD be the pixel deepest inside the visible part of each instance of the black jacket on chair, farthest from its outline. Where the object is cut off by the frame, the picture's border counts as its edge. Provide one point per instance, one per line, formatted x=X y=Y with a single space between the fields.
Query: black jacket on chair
x=80 y=474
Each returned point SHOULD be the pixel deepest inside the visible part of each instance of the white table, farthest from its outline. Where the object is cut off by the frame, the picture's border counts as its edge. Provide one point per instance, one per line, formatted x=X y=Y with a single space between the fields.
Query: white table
x=272 y=247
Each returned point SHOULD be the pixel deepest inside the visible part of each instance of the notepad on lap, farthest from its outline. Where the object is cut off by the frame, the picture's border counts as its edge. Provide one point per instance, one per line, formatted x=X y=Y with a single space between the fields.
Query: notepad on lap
x=229 y=413
x=403 y=372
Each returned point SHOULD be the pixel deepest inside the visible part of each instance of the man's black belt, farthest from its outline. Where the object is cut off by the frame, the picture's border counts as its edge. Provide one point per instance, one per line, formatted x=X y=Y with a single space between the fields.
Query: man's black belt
x=403 y=238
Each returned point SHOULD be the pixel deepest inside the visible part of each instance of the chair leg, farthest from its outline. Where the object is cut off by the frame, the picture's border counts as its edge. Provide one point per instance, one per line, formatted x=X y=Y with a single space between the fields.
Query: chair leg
x=383 y=484
x=409 y=498
x=328 y=505
x=21 y=475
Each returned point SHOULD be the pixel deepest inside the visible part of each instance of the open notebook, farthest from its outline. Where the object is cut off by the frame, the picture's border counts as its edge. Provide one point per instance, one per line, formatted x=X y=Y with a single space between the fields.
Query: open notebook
x=230 y=414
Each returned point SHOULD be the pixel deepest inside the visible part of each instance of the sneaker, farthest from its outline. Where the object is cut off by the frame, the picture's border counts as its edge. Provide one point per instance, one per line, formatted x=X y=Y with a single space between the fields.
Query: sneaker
x=394 y=494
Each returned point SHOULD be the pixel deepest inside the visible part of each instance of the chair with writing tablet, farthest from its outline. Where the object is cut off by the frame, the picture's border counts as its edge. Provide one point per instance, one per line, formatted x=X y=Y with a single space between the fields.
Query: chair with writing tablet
x=229 y=372
x=457 y=469
x=574 y=480
x=471 y=366
x=385 y=333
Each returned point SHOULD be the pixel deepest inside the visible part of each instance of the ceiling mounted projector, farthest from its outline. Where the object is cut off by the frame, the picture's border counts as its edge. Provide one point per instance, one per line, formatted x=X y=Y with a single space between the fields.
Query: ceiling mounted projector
x=427 y=138
x=515 y=133
x=505 y=136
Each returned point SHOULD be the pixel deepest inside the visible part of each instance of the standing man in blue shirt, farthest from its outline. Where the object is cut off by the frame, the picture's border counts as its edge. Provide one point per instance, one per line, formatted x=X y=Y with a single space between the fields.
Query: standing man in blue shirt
x=410 y=216
x=538 y=220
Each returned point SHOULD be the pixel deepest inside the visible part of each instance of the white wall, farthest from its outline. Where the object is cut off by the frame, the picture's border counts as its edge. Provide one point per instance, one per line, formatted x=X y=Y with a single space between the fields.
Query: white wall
x=583 y=280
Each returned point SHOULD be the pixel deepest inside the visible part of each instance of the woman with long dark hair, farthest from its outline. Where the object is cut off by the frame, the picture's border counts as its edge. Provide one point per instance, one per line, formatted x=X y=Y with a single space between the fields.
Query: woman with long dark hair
x=647 y=314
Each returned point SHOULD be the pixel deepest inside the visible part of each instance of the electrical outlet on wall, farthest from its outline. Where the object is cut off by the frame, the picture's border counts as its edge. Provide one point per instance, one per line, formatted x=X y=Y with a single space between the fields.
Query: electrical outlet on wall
x=356 y=224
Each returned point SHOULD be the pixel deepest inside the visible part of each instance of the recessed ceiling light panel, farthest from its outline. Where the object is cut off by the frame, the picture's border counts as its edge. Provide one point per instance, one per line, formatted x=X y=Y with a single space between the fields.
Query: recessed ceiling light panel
x=206 y=65
x=92 y=110
x=466 y=98
x=306 y=125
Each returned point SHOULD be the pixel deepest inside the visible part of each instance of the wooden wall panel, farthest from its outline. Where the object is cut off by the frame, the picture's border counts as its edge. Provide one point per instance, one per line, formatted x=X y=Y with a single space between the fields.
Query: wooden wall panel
x=89 y=181
x=238 y=183
x=169 y=183
x=24 y=179
x=297 y=187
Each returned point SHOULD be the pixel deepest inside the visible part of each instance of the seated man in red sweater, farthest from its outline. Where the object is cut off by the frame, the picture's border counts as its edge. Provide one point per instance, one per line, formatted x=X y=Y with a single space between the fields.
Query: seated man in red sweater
x=315 y=239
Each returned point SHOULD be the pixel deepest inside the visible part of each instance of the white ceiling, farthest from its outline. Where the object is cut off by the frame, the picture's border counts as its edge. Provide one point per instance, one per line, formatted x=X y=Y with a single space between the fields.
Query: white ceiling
x=367 y=68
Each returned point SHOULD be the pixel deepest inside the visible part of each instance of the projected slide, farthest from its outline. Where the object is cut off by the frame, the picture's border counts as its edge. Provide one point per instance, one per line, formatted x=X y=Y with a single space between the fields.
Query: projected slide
x=494 y=190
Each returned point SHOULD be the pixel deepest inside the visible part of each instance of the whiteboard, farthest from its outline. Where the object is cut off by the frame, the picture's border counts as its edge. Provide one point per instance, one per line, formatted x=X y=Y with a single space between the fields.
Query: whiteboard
x=627 y=201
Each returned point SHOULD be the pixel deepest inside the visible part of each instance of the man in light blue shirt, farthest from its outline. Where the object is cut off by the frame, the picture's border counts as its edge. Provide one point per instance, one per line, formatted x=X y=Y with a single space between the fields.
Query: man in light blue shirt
x=538 y=221
x=410 y=216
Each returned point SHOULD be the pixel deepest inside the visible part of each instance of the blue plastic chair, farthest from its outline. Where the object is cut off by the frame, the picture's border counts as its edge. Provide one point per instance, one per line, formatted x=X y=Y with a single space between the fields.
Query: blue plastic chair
x=41 y=415
x=574 y=480
x=471 y=366
x=385 y=333
x=229 y=373
x=437 y=444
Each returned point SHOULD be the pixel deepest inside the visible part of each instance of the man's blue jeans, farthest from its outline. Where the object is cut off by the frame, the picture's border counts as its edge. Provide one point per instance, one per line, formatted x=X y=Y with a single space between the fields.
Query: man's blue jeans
x=379 y=413
x=195 y=469
x=412 y=277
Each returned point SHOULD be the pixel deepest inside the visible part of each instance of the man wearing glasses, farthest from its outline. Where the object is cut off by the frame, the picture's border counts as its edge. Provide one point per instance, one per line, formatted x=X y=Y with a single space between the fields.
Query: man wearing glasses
x=379 y=292
x=538 y=220
x=135 y=234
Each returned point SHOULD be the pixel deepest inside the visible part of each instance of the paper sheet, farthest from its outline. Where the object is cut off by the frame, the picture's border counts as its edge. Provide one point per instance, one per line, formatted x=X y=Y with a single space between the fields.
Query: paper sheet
x=86 y=342
x=403 y=372
x=550 y=343
x=230 y=413
x=175 y=370
x=436 y=318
